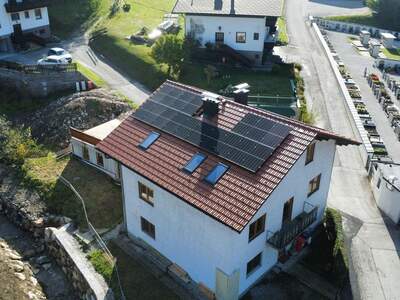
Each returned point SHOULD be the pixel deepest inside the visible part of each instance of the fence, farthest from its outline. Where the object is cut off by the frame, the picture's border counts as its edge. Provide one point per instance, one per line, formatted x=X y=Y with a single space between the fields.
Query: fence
x=42 y=69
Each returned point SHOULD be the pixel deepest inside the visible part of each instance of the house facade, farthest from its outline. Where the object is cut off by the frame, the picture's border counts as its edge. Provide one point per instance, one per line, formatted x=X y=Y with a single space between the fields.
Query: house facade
x=19 y=17
x=83 y=144
x=199 y=188
x=385 y=183
x=248 y=29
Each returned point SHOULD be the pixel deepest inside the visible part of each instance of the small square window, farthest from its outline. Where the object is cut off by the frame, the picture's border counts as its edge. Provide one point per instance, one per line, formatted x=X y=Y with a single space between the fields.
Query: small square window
x=216 y=173
x=146 y=194
x=148 y=228
x=149 y=140
x=310 y=153
x=99 y=159
x=26 y=14
x=15 y=17
x=219 y=37
x=240 y=37
x=256 y=228
x=85 y=152
x=194 y=162
x=378 y=184
x=313 y=185
x=38 y=13
x=256 y=36
x=253 y=264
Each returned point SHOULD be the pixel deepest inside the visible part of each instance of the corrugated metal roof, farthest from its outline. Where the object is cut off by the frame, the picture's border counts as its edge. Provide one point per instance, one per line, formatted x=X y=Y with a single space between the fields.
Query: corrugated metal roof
x=237 y=196
x=263 y=8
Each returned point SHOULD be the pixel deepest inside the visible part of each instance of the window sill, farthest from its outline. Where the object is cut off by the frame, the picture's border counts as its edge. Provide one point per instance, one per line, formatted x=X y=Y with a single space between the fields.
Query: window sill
x=256 y=236
x=148 y=202
x=310 y=194
x=253 y=271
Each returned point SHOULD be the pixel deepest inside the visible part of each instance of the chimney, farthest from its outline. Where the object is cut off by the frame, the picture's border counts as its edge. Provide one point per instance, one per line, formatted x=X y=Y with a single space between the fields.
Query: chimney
x=210 y=104
x=232 y=7
x=241 y=93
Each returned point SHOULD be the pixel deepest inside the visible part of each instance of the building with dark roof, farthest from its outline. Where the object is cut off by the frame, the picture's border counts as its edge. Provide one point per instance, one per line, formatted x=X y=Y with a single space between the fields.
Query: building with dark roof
x=221 y=189
x=247 y=27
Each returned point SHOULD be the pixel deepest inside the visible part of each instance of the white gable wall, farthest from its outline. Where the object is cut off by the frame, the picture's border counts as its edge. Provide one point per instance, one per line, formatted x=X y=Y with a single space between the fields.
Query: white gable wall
x=229 y=26
x=199 y=244
x=5 y=20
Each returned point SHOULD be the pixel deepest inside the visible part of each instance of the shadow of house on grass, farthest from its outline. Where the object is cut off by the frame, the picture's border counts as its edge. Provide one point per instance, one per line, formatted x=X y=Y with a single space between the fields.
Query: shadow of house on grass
x=101 y=195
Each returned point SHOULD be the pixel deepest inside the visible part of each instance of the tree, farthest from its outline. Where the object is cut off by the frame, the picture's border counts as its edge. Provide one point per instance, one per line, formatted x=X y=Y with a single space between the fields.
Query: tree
x=169 y=50
x=388 y=12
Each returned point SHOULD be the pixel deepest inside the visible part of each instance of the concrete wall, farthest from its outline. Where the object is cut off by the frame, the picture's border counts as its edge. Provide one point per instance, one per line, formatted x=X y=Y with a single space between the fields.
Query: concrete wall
x=40 y=84
x=388 y=200
x=110 y=166
x=229 y=26
x=201 y=245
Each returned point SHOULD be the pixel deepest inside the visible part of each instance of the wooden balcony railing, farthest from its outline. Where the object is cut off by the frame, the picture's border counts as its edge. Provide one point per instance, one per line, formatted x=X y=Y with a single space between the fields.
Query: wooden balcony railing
x=293 y=229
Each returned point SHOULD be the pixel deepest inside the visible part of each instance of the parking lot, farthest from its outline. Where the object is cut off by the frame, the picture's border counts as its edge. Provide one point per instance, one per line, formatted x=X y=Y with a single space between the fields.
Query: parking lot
x=356 y=62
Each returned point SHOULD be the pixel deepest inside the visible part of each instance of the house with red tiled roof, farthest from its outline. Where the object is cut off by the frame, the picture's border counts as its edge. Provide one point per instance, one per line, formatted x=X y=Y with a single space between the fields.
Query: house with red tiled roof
x=221 y=189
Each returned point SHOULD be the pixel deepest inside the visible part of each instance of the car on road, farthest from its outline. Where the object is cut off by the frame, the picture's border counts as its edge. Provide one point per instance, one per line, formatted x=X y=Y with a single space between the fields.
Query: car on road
x=60 y=52
x=52 y=60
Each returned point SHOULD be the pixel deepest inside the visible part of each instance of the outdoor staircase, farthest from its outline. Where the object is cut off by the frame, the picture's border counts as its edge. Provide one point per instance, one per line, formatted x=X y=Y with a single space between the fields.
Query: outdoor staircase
x=235 y=55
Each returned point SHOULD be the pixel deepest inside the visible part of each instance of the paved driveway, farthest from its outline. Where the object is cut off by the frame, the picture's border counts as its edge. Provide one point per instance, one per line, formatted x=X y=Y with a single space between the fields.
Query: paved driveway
x=373 y=244
x=80 y=50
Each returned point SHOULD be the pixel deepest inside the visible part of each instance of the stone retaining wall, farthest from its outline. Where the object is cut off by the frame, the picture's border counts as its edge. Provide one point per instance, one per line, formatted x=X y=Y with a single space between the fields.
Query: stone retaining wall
x=86 y=281
x=40 y=84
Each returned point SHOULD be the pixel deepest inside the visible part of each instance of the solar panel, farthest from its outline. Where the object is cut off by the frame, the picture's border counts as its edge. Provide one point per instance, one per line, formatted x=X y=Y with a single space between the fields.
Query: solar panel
x=248 y=145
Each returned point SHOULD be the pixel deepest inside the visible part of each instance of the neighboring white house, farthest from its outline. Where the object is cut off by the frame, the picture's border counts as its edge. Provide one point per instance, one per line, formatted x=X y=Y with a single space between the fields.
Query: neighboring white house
x=221 y=189
x=387 y=40
x=18 y=17
x=84 y=143
x=247 y=27
x=385 y=181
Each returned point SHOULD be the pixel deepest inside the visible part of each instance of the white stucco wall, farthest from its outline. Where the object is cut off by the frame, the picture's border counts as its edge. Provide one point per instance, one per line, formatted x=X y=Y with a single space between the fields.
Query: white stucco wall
x=229 y=26
x=387 y=200
x=199 y=244
x=110 y=166
x=26 y=24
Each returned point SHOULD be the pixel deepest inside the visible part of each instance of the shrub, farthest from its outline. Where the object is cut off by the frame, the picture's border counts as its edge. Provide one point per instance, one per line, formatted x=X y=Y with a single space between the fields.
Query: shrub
x=126 y=7
x=101 y=264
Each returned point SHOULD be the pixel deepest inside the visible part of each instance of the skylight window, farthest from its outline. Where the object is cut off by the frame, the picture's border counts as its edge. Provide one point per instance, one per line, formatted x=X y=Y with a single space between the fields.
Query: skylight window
x=216 y=173
x=194 y=162
x=149 y=140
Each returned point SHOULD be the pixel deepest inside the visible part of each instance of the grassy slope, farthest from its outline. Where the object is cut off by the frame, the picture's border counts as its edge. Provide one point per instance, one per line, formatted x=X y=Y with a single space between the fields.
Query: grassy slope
x=283 y=37
x=102 y=197
x=135 y=60
x=91 y=75
x=392 y=53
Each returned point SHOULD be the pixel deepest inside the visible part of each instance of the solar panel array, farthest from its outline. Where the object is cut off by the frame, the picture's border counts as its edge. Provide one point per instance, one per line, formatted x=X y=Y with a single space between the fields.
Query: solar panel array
x=247 y=146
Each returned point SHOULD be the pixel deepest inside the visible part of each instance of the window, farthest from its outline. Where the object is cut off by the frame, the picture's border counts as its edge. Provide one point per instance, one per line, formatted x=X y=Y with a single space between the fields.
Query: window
x=99 y=159
x=194 y=162
x=149 y=140
x=15 y=17
x=38 y=13
x=256 y=36
x=287 y=211
x=216 y=173
x=240 y=37
x=310 y=153
x=219 y=37
x=148 y=228
x=253 y=264
x=85 y=152
x=378 y=184
x=313 y=186
x=256 y=228
x=26 y=14
x=146 y=193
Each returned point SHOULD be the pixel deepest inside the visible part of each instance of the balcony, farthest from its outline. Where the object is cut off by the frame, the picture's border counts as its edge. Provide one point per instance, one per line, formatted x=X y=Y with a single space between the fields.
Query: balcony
x=13 y=6
x=293 y=229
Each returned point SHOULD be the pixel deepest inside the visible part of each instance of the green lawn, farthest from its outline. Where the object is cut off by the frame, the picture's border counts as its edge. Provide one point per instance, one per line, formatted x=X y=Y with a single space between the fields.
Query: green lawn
x=91 y=75
x=392 y=53
x=102 y=197
x=365 y=19
x=283 y=37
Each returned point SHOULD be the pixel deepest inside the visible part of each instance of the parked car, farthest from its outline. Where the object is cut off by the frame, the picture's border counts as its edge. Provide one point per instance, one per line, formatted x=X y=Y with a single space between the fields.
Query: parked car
x=60 y=52
x=52 y=60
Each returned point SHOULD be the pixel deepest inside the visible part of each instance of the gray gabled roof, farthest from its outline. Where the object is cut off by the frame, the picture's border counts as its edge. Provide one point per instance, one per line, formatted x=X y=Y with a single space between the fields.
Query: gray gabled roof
x=271 y=8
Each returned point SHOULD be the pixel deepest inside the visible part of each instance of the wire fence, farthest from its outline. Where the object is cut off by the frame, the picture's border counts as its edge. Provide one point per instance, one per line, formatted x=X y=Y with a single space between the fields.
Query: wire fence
x=101 y=243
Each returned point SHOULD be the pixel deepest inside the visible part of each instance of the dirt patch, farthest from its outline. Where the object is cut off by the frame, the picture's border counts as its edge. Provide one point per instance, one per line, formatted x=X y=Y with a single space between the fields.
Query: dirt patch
x=50 y=125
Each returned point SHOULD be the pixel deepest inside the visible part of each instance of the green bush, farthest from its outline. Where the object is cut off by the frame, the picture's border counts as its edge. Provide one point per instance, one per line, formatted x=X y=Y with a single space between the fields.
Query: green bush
x=17 y=144
x=101 y=264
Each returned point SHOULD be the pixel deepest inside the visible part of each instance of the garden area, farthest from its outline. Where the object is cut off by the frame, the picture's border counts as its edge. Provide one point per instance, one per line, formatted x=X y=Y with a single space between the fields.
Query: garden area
x=110 y=32
x=393 y=53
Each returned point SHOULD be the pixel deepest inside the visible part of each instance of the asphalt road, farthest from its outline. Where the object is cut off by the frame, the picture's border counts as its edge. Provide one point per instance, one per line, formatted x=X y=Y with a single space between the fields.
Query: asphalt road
x=80 y=51
x=373 y=242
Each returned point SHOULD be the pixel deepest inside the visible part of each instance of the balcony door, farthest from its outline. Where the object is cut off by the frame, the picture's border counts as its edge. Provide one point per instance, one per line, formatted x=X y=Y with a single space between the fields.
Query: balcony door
x=219 y=37
x=287 y=211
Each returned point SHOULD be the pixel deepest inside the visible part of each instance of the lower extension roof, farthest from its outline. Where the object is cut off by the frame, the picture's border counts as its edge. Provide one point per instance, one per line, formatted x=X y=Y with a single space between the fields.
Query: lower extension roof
x=238 y=195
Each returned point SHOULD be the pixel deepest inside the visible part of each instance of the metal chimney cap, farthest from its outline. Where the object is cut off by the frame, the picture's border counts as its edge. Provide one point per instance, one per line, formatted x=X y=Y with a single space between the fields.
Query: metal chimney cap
x=242 y=86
